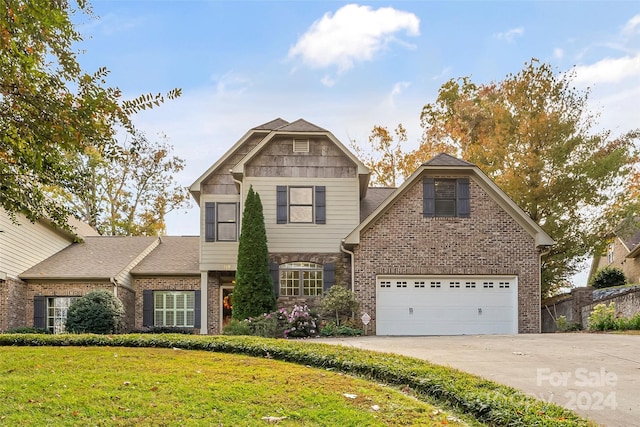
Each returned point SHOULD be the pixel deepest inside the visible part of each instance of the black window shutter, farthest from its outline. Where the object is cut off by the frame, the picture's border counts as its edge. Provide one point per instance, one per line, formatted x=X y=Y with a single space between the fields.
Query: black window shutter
x=39 y=312
x=321 y=206
x=328 y=276
x=462 y=196
x=209 y=221
x=281 y=203
x=196 y=310
x=147 y=308
x=274 y=271
x=428 y=197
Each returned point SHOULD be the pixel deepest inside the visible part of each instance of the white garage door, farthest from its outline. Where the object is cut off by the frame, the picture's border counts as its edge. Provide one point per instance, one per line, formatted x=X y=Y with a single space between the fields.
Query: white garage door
x=426 y=305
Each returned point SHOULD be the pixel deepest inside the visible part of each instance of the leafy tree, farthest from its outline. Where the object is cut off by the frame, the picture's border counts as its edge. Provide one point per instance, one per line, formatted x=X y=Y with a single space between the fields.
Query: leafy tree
x=339 y=302
x=131 y=193
x=50 y=110
x=532 y=134
x=386 y=161
x=98 y=312
x=253 y=292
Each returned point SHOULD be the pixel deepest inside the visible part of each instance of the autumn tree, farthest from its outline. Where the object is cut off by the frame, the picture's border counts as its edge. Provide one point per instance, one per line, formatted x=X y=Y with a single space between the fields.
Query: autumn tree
x=533 y=135
x=253 y=293
x=131 y=193
x=385 y=158
x=50 y=109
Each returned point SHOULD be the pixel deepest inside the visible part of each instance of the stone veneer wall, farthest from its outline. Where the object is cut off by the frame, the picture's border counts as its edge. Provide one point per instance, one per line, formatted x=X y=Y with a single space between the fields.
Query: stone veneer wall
x=12 y=304
x=159 y=283
x=490 y=242
x=342 y=274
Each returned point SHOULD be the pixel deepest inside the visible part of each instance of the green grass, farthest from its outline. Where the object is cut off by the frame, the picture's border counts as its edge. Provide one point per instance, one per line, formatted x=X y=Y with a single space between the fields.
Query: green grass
x=484 y=400
x=132 y=386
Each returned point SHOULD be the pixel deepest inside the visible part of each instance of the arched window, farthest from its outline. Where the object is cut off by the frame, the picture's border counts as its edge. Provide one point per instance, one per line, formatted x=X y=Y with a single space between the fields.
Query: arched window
x=301 y=279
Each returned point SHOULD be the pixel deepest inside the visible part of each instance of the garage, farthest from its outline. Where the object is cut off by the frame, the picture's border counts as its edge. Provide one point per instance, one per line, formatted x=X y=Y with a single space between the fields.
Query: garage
x=446 y=305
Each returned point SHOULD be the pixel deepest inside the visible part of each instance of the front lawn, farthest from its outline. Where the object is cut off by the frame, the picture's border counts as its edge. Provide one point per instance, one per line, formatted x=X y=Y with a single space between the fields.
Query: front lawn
x=481 y=399
x=131 y=386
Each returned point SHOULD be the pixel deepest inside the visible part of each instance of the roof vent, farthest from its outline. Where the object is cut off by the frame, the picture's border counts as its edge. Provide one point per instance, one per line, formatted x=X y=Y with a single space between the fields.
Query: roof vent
x=300 y=145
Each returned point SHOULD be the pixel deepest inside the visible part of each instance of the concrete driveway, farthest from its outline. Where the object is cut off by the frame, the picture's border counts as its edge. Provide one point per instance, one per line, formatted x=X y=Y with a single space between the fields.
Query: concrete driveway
x=595 y=375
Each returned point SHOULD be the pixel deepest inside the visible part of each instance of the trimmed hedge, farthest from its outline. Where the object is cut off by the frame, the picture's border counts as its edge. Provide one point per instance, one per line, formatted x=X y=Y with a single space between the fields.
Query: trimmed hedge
x=485 y=400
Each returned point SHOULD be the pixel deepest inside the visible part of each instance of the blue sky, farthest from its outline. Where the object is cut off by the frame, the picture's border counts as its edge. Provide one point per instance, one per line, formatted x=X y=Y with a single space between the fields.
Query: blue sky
x=344 y=66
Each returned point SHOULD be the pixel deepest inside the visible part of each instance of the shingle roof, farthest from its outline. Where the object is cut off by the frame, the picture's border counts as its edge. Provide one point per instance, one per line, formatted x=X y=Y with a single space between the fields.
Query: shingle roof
x=629 y=231
x=175 y=255
x=444 y=159
x=98 y=257
x=272 y=125
x=301 y=125
x=374 y=198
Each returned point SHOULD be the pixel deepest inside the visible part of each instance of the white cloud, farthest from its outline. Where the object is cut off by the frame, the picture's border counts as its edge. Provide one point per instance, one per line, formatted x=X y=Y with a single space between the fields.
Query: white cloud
x=328 y=81
x=231 y=83
x=510 y=35
x=397 y=89
x=632 y=26
x=609 y=70
x=353 y=34
x=442 y=74
x=558 y=53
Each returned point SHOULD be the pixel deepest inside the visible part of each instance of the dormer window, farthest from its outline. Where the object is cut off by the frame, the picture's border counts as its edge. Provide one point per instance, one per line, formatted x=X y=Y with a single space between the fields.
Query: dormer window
x=300 y=145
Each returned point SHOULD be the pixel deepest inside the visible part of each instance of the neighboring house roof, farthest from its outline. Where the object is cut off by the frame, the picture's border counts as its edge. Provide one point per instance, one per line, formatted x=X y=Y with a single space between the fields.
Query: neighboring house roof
x=272 y=129
x=629 y=233
x=374 y=198
x=451 y=165
x=97 y=258
x=175 y=255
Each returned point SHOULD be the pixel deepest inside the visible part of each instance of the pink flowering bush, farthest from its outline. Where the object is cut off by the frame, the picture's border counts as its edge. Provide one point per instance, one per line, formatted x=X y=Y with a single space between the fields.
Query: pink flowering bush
x=302 y=323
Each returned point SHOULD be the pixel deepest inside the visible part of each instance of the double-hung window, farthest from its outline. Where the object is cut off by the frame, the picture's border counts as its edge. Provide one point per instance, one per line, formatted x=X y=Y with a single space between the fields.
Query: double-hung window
x=444 y=197
x=301 y=204
x=221 y=222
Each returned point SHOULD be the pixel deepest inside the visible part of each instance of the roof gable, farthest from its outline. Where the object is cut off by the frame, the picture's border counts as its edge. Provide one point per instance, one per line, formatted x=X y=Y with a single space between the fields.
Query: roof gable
x=174 y=255
x=451 y=165
x=272 y=125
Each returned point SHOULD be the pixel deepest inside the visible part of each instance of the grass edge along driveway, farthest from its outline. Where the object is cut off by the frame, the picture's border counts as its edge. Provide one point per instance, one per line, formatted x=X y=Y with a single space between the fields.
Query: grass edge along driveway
x=484 y=400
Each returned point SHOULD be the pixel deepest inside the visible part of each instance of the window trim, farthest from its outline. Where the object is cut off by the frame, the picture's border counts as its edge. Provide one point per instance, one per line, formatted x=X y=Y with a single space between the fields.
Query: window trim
x=311 y=205
x=462 y=198
x=300 y=267
x=219 y=221
x=50 y=319
x=212 y=221
x=185 y=310
x=318 y=206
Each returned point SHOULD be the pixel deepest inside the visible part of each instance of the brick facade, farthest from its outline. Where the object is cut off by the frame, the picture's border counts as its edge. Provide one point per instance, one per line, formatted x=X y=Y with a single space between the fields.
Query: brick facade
x=490 y=242
x=12 y=310
x=157 y=283
x=64 y=289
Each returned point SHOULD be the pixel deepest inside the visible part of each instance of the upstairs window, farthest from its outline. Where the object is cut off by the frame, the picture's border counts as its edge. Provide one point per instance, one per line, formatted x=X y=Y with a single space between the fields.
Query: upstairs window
x=446 y=197
x=301 y=205
x=221 y=222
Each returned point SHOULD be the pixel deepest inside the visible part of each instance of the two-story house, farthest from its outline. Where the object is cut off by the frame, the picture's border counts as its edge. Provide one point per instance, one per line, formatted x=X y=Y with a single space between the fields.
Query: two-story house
x=445 y=253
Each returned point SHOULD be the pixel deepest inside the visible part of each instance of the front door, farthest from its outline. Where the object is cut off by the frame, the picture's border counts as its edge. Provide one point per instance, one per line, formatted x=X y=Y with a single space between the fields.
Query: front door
x=226 y=304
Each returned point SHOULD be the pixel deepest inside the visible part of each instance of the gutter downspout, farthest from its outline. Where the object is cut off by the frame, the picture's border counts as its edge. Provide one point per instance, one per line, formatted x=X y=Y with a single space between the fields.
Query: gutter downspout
x=240 y=185
x=115 y=286
x=353 y=272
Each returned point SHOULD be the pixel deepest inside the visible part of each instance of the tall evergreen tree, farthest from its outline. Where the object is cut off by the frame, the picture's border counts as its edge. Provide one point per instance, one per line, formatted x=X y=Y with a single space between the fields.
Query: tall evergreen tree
x=253 y=293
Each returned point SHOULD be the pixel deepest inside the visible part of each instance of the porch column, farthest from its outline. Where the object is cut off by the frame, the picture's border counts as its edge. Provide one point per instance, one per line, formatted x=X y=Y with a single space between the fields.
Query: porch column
x=204 y=298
